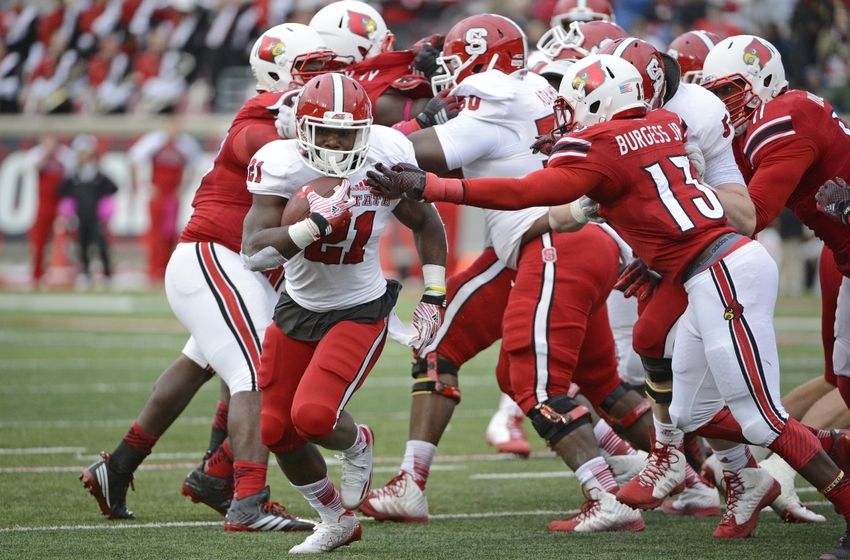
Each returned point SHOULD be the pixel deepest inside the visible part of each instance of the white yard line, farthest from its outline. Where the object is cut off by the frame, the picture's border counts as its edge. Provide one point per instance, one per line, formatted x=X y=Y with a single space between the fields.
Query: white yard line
x=522 y=475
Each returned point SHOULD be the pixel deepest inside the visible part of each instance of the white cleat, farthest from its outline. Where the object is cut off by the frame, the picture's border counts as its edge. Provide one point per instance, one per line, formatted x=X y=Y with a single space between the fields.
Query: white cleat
x=787 y=505
x=357 y=473
x=601 y=512
x=505 y=433
x=626 y=467
x=329 y=536
x=400 y=500
x=747 y=492
x=702 y=501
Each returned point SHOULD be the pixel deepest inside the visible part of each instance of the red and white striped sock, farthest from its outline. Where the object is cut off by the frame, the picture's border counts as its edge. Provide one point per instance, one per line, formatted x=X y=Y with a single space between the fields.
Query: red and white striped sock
x=608 y=440
x=418 y=456
x=736 y=458
x=324 y=498
x=597 y=474
x=692 y=479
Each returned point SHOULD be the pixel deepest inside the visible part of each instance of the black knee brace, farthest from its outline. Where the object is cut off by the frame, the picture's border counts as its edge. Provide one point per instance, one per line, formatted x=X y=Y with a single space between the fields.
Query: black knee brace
x=426 y=373
x=658 y=371
x=627 y=420
x=557 y=417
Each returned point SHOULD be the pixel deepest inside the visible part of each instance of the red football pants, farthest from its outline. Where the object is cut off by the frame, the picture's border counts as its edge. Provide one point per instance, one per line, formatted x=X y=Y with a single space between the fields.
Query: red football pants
x=556 y=324
x=305 y=385
x=830 y=282
x=657 y=316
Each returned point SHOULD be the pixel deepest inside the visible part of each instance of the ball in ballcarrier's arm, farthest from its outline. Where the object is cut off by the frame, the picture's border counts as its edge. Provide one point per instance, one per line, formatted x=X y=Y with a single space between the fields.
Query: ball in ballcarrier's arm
x=297 y=208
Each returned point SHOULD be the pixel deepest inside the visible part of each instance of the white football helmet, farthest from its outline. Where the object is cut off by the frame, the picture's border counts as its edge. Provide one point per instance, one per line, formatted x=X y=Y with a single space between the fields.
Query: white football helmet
x=352 y=28
x=288 y=55
x=596 y=89
x=744 y=71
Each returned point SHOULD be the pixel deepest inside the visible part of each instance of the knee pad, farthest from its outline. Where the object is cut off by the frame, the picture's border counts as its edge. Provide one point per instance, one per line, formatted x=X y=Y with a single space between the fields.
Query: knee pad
x=627 y=420
x=558 y=417
x=277 y=436
x=796 y=445
x=658 y=372
x=426 y=374
x=313 y=420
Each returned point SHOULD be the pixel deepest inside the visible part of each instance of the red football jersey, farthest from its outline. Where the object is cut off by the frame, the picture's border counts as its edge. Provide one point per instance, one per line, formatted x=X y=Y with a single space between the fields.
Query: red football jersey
x=385 y=70
x=223 y=200
x=793 y=144
x=638 y=171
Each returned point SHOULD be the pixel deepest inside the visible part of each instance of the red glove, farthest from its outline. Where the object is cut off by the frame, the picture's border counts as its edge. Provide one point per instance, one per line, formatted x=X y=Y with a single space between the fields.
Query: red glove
x=637 y=280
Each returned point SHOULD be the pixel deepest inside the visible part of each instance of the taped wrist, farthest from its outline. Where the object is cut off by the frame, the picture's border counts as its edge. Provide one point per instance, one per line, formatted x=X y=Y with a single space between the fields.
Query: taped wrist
x=308 y=230
x=434 y=276
x=626 y=421
x=578 y=212
x=558 y=417
x=426 y=374
x=659 y=372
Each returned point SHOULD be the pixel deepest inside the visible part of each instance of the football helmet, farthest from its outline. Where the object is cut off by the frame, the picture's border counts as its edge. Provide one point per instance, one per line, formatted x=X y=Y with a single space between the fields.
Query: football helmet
x=744 y=71
x=286 y=56
x=568 y=11
x=584 y=37
x=352 y=28
x=477 y=44
x=690 y=49
x=598 y=88
x=333 y=101
x=646 y=58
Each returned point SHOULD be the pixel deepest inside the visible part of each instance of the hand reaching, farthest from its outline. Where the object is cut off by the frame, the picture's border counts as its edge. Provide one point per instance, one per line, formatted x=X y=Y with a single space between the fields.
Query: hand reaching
x=833 y=199
x=400 y=180
x=637 y=280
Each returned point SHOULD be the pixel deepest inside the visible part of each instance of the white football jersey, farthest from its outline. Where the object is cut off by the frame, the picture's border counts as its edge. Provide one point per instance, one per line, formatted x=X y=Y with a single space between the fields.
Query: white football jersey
x=501 y=117
x=335 y=273
x=708 y=126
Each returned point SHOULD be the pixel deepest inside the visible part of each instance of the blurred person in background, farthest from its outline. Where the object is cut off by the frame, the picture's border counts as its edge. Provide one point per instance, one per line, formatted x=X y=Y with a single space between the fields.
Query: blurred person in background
x=170 y=154
x=90 y=192
x=10 y=79
x=47 y=86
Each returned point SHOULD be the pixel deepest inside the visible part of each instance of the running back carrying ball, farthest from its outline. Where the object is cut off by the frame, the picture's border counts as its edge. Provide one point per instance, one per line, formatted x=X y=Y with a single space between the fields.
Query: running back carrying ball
x=297 y=208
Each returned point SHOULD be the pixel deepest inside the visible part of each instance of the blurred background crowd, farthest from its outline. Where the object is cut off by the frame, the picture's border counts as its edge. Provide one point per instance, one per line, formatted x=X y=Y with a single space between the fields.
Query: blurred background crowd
x=190 y=56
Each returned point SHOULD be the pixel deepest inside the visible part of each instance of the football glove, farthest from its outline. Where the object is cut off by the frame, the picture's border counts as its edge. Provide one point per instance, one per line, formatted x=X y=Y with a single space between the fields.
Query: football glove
x=439 y=110
x=637 y=280
x=833 y=199
x=427 y=318
x=400 y=180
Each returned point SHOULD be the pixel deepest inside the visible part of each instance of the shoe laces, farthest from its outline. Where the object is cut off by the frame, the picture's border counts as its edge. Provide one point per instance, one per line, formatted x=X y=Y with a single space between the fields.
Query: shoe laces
x=660 y=461
x=515 y=428
x=734 y=490
x=276 y=508
x=588 y=510
x=395 y=486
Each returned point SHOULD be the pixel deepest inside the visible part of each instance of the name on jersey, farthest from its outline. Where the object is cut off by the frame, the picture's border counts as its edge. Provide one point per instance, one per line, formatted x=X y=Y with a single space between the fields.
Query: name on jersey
x=360 y=192
x=647 y=136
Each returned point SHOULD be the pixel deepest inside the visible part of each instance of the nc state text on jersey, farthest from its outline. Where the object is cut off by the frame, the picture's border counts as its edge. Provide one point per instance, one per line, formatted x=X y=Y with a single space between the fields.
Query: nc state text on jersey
x=647 y=136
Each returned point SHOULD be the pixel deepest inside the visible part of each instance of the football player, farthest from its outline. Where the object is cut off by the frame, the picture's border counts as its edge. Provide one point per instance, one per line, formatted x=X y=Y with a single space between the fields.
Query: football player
x=555 y=323
x=725 y=348
x=690 y=49
x=565 y=14
x=226 y=309
x=331 y=320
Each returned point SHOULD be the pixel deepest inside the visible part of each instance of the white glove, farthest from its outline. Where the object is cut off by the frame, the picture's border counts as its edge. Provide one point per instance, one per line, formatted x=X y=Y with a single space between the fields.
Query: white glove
x=285 y=122
x=697 y=159
x=427 y=318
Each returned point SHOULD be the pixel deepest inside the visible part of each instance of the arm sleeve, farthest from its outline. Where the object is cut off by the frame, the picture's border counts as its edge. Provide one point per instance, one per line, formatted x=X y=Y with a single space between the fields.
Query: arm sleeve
x=777 y=176
x=465 y=139
x=551 y=186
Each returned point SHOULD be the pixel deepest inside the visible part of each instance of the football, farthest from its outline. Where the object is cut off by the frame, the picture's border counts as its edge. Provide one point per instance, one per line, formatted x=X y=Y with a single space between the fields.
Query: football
x=297 y=208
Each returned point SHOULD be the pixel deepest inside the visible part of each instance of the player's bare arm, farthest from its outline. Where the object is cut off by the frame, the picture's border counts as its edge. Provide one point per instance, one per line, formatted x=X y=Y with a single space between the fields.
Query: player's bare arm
x=429 y=152
x=428 y=231
x=262 y=230
x=739 y=208
x=390 y=108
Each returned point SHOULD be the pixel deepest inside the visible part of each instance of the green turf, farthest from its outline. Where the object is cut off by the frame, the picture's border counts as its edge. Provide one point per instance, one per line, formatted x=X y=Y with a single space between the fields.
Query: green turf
x=73 y=380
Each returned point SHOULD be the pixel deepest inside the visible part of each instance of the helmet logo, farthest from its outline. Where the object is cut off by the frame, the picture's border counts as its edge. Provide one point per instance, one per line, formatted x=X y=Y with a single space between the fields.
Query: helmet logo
x=476 y=40
x=757 y=54
x=270 y=49
x=361 y=24
x=590 y=78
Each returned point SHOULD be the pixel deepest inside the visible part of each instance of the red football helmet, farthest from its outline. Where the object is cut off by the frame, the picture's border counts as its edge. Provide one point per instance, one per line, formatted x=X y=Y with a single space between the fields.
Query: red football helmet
x=333 y=101
x=690 y=50
x=583 y=36
x=568 y=11
x=477 y=44
x=648 y=62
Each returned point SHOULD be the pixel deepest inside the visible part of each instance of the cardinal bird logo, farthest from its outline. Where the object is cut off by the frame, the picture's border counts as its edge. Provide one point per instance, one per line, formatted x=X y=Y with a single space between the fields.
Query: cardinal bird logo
x=361 y=24
x=733 y=311
x=757 y=53
x=589 y=78
x=271 y=48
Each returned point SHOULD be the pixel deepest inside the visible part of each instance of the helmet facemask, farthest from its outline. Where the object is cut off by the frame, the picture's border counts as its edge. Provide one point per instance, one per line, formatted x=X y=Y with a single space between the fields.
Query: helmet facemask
x=737 y=94
x=308 y=65
x=335 y=162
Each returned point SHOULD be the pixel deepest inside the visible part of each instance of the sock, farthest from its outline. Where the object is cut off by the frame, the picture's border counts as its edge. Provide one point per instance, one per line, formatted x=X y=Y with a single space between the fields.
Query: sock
x=249 y=478
x=324 y=498
x=360 y=442
x=418 y=456
x=220 y=463
x=597 y=474
x=668 y=434
x=838 y=492
x=692 y=479
x=736 y=458
x=608 y=440
x=796 y=444
x=219 y=427
x=136 y=445
x=508 y=406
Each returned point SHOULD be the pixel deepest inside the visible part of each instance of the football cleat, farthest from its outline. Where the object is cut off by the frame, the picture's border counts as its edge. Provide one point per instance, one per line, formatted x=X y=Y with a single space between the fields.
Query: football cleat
x=357 y=473
x=211 y=490
x=840 y=552
x=257 y=513
x=108 y=487
x=601 y=512
x=402 y=499
x=330 y=536
x=840 y=451
x=787 y=505
x=663 y=474
x=747 y=492
x=626 y=467
x=505 y=433
x=698 y=501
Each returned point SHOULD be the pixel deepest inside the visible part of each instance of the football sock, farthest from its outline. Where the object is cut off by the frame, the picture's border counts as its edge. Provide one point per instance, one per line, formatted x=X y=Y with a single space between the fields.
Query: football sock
x=359 y=442
x=418 y=456
x=668 y=434
x=324 y=498
x=136 y=445
x=838 y=492
x=736 y=458
x=796 y=444
x=220 y=463
x=219 y=427
x=597 y=474
x=692 y=479
x=508 y=406
x=609 y=441
x=249 y=478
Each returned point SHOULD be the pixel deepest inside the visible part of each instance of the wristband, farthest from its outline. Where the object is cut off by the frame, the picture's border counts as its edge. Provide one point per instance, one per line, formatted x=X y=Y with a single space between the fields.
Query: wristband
x=304 y=232
x=578 y=212
x=434 y=276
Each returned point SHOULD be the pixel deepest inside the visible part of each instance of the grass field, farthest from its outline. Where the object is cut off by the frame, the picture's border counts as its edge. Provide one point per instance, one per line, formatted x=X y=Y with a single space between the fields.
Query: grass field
x=75 y=370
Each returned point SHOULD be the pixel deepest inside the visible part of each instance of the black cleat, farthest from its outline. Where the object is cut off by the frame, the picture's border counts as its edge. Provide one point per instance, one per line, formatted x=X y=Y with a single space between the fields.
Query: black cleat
x=257 y=513
x=841 y=551
x=108 y=487
x=211 y=490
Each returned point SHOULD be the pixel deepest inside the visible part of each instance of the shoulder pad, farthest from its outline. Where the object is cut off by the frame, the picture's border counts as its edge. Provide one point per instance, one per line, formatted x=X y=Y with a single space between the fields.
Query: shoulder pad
x=390 y=146
x=492 y=85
